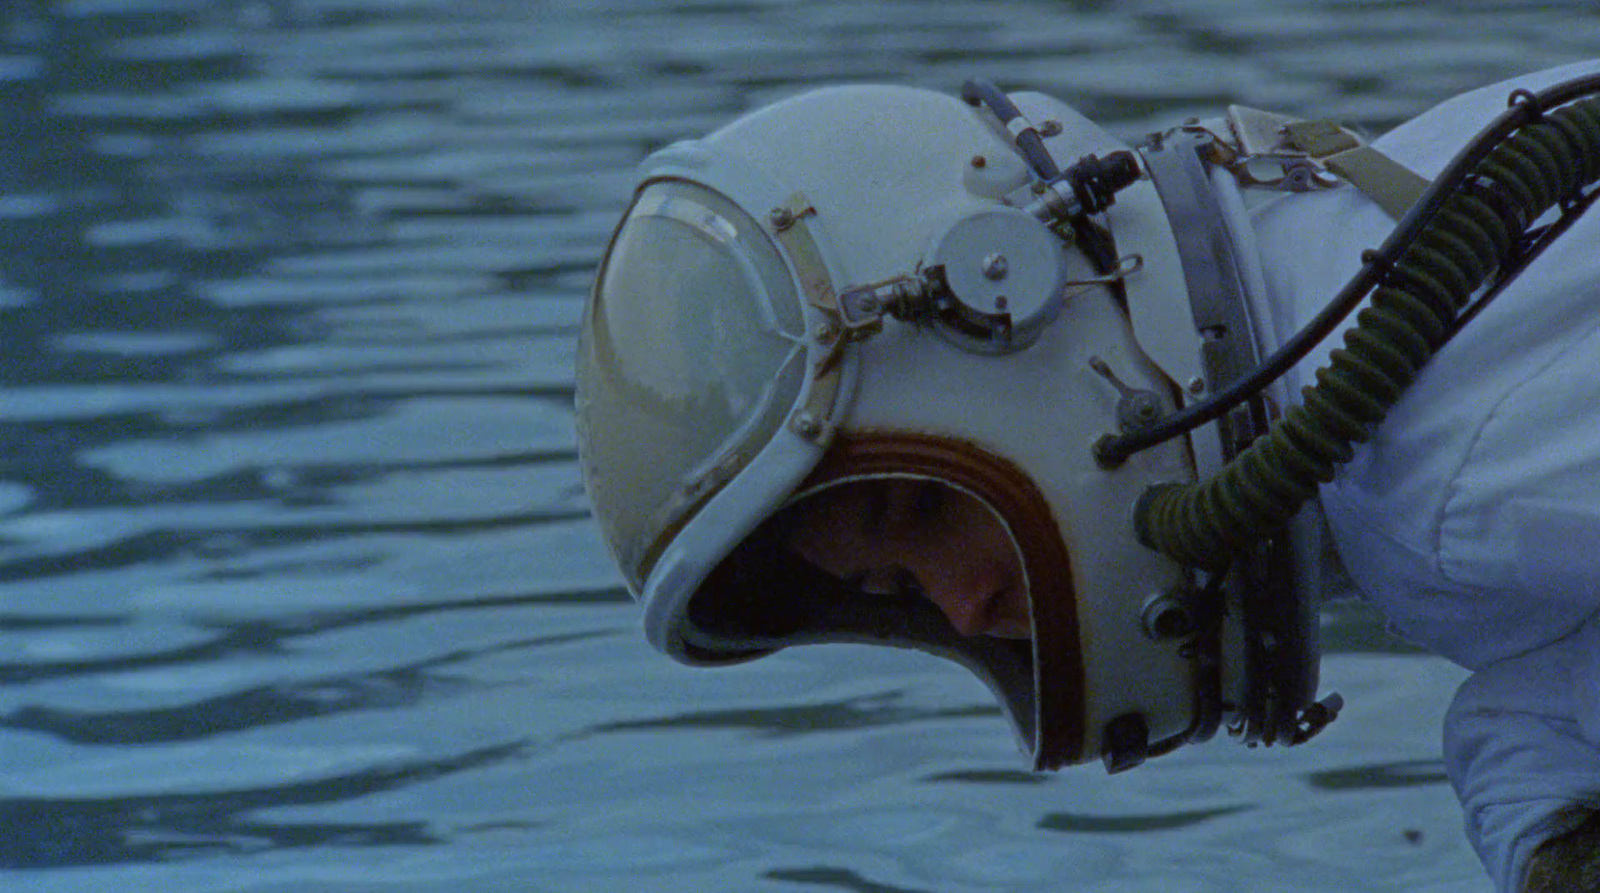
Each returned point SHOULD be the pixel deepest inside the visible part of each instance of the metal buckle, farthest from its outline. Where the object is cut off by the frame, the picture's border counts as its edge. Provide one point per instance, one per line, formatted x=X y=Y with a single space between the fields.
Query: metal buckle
x=1268 y=150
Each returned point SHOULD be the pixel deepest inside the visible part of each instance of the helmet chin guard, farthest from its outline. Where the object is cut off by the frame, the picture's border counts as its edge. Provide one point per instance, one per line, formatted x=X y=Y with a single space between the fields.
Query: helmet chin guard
x=865 y=282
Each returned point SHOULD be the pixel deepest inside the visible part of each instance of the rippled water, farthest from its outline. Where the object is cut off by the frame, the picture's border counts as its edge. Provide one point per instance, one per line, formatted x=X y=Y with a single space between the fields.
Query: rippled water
x=300 y=590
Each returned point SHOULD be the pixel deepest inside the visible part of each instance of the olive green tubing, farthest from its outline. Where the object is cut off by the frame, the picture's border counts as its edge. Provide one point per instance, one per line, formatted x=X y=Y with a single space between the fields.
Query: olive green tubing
x=1475 y=233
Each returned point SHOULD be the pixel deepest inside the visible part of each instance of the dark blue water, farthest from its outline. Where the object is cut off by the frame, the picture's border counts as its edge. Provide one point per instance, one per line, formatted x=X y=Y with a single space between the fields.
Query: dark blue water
x=300 y=591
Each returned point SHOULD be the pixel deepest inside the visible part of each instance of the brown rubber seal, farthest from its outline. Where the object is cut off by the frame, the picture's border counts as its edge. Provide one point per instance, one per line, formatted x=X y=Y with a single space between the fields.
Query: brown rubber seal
x=1057 y=654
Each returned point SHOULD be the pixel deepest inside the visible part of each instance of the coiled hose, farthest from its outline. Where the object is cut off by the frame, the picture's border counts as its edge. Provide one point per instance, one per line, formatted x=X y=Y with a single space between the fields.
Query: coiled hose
x=1473 y=230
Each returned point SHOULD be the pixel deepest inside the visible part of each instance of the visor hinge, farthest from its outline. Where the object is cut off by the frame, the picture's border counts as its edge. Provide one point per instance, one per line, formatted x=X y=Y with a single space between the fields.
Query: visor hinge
x=858 y=311
x=863 y=307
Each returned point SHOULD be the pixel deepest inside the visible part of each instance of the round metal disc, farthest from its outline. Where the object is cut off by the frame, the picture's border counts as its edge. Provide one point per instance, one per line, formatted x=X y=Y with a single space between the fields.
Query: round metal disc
x=1004 y=270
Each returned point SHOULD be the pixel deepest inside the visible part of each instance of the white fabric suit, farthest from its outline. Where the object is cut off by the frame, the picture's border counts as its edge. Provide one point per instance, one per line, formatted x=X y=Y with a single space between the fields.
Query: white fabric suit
x=1472 y=518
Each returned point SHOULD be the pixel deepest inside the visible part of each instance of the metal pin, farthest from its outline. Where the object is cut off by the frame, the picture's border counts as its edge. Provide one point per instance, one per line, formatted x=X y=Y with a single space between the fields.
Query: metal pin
x=1138 y=408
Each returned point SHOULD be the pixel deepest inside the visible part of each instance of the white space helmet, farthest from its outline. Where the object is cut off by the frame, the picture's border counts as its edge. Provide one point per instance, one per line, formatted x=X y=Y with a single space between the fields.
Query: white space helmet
x=865 y=282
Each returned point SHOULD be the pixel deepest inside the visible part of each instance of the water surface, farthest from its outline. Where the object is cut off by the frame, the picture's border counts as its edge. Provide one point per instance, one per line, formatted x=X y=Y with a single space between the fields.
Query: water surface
x=300 y=588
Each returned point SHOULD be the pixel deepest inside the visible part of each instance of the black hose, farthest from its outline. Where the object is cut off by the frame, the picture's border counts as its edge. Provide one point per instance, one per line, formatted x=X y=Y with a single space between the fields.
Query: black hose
x=980 y=92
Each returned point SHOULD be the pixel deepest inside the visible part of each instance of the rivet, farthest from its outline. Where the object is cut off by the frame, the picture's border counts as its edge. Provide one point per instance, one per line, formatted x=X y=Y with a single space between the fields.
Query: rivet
x=807 y=425
x=780 y=218
x=978 y=161
x=1049 y=127
x=995 y=266
x=1197 y=386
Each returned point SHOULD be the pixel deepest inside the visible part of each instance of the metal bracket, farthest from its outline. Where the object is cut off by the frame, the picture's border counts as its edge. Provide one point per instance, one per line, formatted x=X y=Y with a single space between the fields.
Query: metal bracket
x=813 y=420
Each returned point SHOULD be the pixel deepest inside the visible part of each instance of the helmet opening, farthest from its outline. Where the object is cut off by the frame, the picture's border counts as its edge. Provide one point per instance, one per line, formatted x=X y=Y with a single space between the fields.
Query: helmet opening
x=763 y=596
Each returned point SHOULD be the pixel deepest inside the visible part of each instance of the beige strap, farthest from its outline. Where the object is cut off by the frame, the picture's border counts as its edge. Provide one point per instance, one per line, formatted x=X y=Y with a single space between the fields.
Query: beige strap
x=1319 y=139
x=1393 y=186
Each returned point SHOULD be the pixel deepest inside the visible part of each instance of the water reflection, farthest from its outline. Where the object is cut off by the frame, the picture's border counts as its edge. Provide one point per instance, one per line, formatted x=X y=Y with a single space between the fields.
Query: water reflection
x=386 y=689
x=159 y=828
x=882 y=709
x=822 y=877
x=1074 y=823
x=1403 y=774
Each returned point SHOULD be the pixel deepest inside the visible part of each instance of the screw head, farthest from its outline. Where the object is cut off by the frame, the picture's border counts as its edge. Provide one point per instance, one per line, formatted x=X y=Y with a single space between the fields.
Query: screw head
x=807 y=425
x=995 y=266
x=780 y=218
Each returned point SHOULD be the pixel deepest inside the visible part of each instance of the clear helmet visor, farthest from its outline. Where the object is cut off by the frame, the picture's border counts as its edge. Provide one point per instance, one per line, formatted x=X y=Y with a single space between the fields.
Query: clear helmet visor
x=691 y=357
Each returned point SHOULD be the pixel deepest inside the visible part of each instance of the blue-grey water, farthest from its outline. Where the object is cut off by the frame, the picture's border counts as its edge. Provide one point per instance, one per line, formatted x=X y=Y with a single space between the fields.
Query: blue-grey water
x=298 y=588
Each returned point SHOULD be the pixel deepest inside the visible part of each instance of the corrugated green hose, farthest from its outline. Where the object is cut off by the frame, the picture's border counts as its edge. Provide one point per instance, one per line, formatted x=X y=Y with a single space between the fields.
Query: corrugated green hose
x=1473 y=236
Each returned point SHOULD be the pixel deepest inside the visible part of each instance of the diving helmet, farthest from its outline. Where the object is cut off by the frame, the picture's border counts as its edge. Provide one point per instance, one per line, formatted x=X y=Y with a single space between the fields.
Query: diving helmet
x=870 y=282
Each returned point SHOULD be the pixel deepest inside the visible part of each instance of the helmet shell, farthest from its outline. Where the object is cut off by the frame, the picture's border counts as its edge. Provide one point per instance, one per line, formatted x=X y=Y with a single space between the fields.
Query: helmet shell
x=845 y=187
